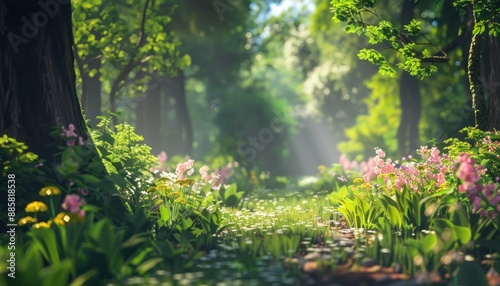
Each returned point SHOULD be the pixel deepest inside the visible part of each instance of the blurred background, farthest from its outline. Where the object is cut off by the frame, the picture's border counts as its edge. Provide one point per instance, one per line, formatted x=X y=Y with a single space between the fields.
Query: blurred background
x=274 y=85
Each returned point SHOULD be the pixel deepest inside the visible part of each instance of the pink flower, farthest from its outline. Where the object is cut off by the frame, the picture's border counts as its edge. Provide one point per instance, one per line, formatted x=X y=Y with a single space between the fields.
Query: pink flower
x=476 y=204
x=434 y=154
x=346 y=164
x=72 y=203
x=162 y=157
x=71 y=131
x=80 y=141
x=380 y=153
x=204 y=174
x=467 y=172
x=183 y=167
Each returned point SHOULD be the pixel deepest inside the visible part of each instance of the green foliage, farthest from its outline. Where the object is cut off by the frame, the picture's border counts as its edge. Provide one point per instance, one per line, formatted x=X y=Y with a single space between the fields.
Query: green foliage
x=229 y=197
x=17 y=161
x=92 y=251
x=185 y=211
x=254 y=139
x=485 y=14
x=483 y=146
x=127 y=161
x=378 y=128
x=126 y=39
x=358 y=15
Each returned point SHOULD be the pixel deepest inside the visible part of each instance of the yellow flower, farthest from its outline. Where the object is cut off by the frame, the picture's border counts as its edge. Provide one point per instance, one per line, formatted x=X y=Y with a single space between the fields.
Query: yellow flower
x=41 y=224
x=358 y=181
x=26 y=220
x=72 y=217
x=35 y=207
x=174 y=195
x=180 y=200
x=49 y=191
x=162 y=181
x=185 y=183
x=163 y=190
x=158 y=202
x=367 y=186
x=59 y=219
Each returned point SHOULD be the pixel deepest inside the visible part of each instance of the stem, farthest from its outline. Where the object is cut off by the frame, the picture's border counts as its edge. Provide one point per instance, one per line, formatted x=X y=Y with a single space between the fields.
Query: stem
x=52 y=207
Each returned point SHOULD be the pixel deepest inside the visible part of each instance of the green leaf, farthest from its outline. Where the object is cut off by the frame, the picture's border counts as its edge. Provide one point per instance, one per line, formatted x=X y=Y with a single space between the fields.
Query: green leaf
x=464 y=234
x=429 y=242
x=470 y=274
x=57 y=274
x=90 y=178
x=82 y=279
x=148 y=265
x=164 y=213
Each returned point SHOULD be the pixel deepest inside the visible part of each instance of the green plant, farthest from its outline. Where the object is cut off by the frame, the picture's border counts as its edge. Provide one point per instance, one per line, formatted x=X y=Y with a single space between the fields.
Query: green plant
x=90 y=251
x=21 y=171
x=227 y=196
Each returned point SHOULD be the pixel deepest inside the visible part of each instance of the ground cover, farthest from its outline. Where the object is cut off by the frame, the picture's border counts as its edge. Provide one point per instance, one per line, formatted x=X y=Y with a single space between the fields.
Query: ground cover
x=429 y=219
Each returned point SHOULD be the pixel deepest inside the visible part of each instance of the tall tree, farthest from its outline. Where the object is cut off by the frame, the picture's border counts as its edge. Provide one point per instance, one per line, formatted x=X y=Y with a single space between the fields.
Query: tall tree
x=409 y=95
x=37 y=77
x=119 y=43
x=418 y=55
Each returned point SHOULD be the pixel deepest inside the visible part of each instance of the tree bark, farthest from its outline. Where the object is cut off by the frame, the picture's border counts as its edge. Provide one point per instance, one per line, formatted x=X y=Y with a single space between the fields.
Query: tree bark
x=183 y=119
x=91 y=93
x=410 y=97
x=411 y=106
x=37 y=86
x=492 y=86
x=148 y=113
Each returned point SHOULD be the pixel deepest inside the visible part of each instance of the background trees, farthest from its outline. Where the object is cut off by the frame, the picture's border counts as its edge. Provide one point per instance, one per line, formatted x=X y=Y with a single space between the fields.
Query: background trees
x=202 y=78
x=420 y=46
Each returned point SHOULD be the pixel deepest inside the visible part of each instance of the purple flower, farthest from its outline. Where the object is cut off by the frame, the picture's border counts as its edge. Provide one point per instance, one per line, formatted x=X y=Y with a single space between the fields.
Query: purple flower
x=83 y=192
x=73 y=203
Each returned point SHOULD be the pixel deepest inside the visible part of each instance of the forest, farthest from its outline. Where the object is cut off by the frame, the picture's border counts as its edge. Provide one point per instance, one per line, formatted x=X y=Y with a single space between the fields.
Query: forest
x=250 y=142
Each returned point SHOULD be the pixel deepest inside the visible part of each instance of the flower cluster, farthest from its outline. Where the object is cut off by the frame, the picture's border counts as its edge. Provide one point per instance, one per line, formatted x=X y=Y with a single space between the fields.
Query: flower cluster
x=346 y=163
x=71 y=136
x=217 y=178
x=425 y=176
x=182 y=167
x=73 y=204
x=485 y=198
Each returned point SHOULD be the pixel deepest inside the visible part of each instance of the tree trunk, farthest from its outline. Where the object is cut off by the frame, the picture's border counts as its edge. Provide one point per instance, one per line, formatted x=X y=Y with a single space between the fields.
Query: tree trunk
x=492 y=87
x=466 y=38
x=181 y=139
x=37 y=86
x=411 y=106
x=410 y=97
x=91 y=93
x=475 y=82
x=149 y=118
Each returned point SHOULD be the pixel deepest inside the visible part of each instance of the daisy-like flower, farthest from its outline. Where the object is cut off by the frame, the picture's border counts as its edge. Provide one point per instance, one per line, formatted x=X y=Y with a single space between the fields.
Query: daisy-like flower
x=49 y=191
x=60 y=219
x=35 y=207
x=25 y=220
